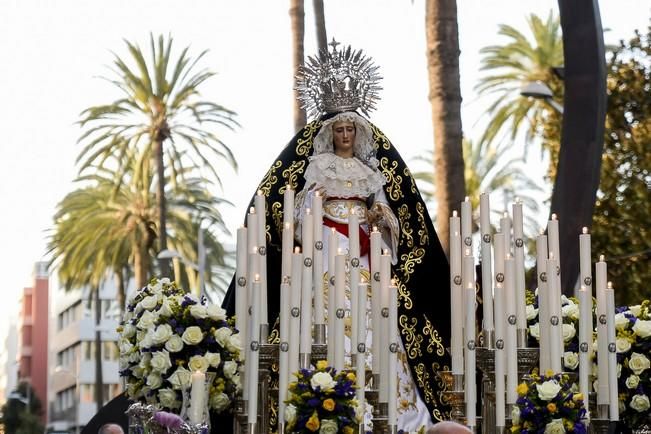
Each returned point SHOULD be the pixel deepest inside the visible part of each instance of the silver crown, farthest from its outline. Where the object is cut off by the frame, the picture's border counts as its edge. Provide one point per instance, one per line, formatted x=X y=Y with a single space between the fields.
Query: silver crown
x=338 y=80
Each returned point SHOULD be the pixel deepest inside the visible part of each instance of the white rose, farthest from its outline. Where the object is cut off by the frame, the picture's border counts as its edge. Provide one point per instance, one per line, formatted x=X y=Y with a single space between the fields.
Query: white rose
x=198 y=363
x=565 y=300
x=213 y=359
x=219 y=401
x=534 y=330
x=138 y=371
x=571 y=311
x=128 y=331
x=155 y=288
x=237 y=381
x=623 y=345
x=636 y=310
x=621 y=322
x=230 y=368
x=639 y=403
x=164 y=281
x=192 y=335
x=531 y=311
x=548 y=390
x=165 y=309
x=174 y=344
x=642 y=328
x=290 y=415
x=149 y=302
x=216 y=312
x=146 y=340
x=515 y=415
x=328 y=426
x=134 y=357
x=234 y=344
x=570 y=360
x=632 y=381
x=555 y=427
x=162 y=334
x=154 y=381
x=198 y=311
x=568 y=332
x=638 y=363
x=147 y=320
x=125 y=346
x=180 y=378
x=323 y=380
x=160 y=361
x=167 y=398
x=222 y=334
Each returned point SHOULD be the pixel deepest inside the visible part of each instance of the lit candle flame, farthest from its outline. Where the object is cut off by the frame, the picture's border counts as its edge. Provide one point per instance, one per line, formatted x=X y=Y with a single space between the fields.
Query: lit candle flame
x=259 y=192
x=554 y=216
x=252 y=210
x=257 y=278
x=466 y=199
x=297 y=249
x=610 y=285
x=602 y=258
x=551 y=255
x=385 y=251
x=455 y=213
x=308 y=211
x=584 y=230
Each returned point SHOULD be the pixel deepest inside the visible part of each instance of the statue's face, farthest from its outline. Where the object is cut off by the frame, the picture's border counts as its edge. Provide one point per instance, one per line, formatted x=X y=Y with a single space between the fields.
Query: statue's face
x=343 y=133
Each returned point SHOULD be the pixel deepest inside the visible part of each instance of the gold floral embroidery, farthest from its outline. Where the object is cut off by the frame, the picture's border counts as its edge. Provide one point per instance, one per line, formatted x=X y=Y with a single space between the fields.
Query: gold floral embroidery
x=405 y=227
x=277 y=215
x=409 y=261
x=413 y=339
x=270 y=178
x=379 y=138
x=405 y=295
x=422 y=376
x=434 y=339
x=393 y=181
x=422 y=232
x=304 y=143
x=291 y=175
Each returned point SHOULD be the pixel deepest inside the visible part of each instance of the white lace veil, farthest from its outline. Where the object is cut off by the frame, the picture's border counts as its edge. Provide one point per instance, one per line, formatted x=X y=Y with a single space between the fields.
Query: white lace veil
x=363 y=147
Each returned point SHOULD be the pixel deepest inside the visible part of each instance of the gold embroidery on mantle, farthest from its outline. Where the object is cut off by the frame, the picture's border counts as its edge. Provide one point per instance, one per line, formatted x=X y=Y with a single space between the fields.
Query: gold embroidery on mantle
x=434 y=339
x=304 y=143
x=393 y=188
x=291 y=175
x=422 y=377
x=407 y=174
x=270 y=178
x=422 y=232
x=404 y=294
x=277 y=215
x=413 y=339
x=410 y=260
x=405 y=227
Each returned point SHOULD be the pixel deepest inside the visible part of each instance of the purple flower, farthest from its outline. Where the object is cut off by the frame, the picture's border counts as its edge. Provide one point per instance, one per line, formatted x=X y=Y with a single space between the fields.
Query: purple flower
x=169 y=420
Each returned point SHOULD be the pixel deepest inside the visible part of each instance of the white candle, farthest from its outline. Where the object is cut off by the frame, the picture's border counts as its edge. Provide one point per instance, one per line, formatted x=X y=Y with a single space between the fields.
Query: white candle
x=283 y=355
x=468 y=268
x=333 y=248
x=261 y=233
x=543 y=309
x=466 y=224
x=361 y=339
x=383 y=329
x=306 y=285
x=254 y=272
x=254 y=357
x=552 y=233
x=471 y=368
x=376 y=242
x=518 y=256
x=353 y=251
x=511 y=334
x=585 y=341
x=505 y=229
x=287 y=248
x=457 y=308
x=555 y=317
x=317 y=211
x=601 y=273
x=500 y=371
x=486 y=263
x=288 y=205
x=455 y=223
x=393 y=355
x=197 y=397
x=295 y=311
x=585 y=263
x=252 y=230
x=340 y=296
x=241 y=295
x=612 y=353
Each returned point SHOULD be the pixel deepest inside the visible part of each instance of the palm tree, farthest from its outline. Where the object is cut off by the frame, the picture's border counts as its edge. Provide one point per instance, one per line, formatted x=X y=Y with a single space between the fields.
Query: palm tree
x=297 y=17
x=522 y=59
x=487 y=171
x=445 y=97
x=160 y=116
x=320 y=27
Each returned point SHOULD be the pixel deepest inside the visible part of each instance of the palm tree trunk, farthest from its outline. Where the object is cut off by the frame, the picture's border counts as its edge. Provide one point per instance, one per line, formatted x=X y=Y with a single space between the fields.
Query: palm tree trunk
x=140 y=266
x=445 y=97
x=99 y=378
x=297 y=17
x=121 y=291
x=319 y=21
x=163 y=264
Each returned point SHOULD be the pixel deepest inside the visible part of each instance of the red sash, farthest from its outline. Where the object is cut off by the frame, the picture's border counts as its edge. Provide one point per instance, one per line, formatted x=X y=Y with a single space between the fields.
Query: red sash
x=342 y=228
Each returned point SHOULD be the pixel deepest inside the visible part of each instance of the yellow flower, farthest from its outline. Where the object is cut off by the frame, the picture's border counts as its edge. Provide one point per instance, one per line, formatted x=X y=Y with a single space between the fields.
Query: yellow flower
x=577 y=397
x=321 y=365
x=551 y=407
x=569 y=404
x=329 y=404
x=313 y=422
x=523 y=389
x=348 y=430
x=515 y=429
x=549 y=373
x=350 y=376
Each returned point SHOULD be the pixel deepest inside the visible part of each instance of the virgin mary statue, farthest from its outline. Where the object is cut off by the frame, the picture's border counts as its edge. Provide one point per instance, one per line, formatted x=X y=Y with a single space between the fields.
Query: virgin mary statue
x=357 y=170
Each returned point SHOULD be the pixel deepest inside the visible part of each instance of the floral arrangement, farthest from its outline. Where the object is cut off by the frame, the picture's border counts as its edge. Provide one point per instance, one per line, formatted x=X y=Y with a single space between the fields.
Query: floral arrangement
x=322 y=400
x=167 y=334
x=548 y=404
x=570 y=313
x=633 y=331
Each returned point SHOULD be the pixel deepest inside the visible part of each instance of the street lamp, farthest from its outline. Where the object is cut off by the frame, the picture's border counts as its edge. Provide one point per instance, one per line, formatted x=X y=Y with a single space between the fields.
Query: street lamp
x=539 y=90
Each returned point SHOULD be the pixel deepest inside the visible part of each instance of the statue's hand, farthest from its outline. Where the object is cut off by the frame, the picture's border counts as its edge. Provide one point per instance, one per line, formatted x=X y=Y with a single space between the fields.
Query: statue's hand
x=374 y=216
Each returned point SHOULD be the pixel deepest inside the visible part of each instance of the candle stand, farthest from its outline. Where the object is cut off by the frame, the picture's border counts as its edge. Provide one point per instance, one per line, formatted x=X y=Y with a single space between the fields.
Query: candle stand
x=486 y=362
x=240 y=419
x=454 y=395
x=599 y=422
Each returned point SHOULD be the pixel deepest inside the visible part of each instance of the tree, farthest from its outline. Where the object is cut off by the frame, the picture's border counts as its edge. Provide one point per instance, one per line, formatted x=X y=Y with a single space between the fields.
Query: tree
x=319 y=21
x=521 y=60
x=18 y=419
x=297 y=18
x=621 y=222
x=445 y=97
x=160 y=116
x=487 y=171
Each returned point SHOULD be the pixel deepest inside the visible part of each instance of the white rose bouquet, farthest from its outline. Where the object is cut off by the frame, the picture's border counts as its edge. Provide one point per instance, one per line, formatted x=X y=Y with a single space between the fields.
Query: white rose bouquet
x=167 y=334
x=633 y=329
x=547 y=403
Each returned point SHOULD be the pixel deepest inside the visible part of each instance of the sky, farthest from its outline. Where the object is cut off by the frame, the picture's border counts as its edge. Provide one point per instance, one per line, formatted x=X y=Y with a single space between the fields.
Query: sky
x=53 y=53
